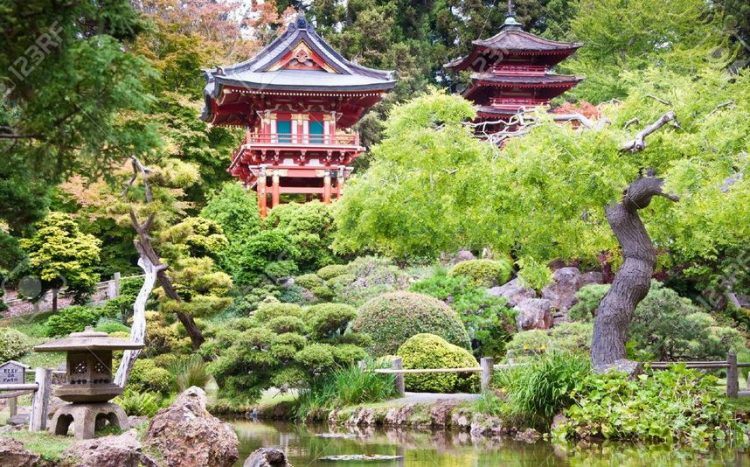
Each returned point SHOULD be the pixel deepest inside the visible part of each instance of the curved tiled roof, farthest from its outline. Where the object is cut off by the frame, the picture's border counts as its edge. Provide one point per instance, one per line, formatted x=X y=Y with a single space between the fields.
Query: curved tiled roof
x=258 y=72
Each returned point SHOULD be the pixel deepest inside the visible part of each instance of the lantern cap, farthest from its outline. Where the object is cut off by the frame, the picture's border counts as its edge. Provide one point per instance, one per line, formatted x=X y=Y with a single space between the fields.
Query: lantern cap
x=88 y=340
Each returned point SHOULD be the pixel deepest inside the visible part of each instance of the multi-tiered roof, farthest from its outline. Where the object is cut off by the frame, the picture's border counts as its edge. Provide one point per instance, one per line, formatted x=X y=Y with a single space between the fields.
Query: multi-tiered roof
x=298 y=98
x=512 y=71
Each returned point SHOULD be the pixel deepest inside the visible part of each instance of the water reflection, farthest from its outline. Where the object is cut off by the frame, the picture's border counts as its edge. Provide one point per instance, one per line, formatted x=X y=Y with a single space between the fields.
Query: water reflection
x=305 y=445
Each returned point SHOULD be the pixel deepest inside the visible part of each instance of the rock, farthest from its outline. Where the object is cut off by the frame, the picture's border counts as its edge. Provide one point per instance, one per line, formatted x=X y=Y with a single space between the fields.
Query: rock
x=591 y=277
x=534 y=313
x=135 y=420
x=22 y=419
x=529 y=436
x=487 y=425
x=54 y=404
x=361 y=417
x=398 y=416
x=440 y=413
x=461 y=420
x=558 y=420
x=623 y=365
x=513 y=291
x=14 y=454
x=187 y=435
x=562 y=291
x=267 y=457
x=122 y=451
x=463 y=255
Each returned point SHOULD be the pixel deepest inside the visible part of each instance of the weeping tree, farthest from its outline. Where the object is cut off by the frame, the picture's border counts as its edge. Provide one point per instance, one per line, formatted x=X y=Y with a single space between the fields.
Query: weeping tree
x=661 y=183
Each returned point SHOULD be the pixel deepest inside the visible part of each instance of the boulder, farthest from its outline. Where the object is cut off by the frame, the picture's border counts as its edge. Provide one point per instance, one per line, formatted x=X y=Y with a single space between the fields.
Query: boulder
x=534 y=313
x=514 y=292
x=463 y=255
x=14 y=454
x=187 y=435
x=528 y=436
x=267 y=457
x=591 y=277
x=398 y=416
x=562 y=291
x=122 y=450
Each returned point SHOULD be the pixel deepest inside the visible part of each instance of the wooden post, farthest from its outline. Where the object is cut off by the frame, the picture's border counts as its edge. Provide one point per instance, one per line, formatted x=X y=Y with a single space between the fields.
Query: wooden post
x=400 y=384
x=40 y=404
x=327 y=188
x=116 y=279
x=487 y=364
x=262 y=193
x=275 y=190
x=13 y=406
x=733 y=381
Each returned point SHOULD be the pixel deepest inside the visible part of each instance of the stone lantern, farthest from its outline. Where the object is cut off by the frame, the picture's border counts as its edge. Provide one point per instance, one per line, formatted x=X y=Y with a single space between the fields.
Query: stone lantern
x=89 y=383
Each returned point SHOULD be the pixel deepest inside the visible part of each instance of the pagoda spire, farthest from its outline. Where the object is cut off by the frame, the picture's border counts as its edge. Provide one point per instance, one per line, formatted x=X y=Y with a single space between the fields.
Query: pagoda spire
x=510 y=17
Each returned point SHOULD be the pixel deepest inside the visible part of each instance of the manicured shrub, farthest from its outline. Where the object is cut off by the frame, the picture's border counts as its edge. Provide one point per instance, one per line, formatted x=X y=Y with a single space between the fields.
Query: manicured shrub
x=675 y=405
x=392 y=318
x=13 y=344
x=316 y=285
x=268 y=310
x=146 y=376
x=484 y=272
x=431 y=351
x=540 y=389
x=348 y=354
x=367 y=277
x=309 y=227
x=332 y=270
x=295 y=340
x=328 y=320
x=565 y=338
x=588 y=300
x=283 y=324
x=71 y=319
x=109 y=326
x=316 y=358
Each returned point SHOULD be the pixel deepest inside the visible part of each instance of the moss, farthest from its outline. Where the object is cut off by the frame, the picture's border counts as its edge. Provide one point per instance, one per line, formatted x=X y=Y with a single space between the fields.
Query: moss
x=430 y=351
x=392 y=318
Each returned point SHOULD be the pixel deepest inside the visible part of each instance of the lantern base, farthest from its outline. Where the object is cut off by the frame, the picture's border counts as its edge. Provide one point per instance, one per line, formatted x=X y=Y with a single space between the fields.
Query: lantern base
x=87 y=418
x=88 y=392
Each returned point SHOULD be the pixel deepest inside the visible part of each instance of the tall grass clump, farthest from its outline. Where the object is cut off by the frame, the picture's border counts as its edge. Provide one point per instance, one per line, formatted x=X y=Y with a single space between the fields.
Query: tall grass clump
x=345 y=386
x=542 y=388
x=190 y=371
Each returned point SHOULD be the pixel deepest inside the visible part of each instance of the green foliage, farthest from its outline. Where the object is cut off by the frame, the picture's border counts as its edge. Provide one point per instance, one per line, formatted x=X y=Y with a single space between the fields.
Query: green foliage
x=309 y=227
x=562 y=338
x=329 y=320
x=542 y=387
x=13 y=344
x=139 y=403
x=666 y=326
x=392 y=318
x=483 y=272
x=72 y=319
x=147 y=377
x=282 y=345
x=349 y=385
x=61 y=255
x=366 y=277
x=109 y=326
x=331 y=271
x=431 y=351
x=675 y=405
x=235 y=210
x=188 y=371
x=316 y=285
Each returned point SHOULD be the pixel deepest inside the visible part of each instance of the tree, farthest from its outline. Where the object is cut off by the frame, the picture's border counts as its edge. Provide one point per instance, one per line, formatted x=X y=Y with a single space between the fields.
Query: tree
x=60 y=255
x=560 y=192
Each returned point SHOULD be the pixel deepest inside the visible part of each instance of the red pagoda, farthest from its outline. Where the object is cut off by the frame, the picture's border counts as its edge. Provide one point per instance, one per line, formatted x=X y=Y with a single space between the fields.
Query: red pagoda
x=512 y=72
x=298 y=99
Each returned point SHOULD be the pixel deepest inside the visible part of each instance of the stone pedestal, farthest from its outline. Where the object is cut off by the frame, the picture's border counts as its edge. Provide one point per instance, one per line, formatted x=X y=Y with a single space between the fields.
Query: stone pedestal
x=87 y=418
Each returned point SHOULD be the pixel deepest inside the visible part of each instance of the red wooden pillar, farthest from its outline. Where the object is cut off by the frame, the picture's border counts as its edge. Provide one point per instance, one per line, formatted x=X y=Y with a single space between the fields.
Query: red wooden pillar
x=327 y=188
x=339 y=183
x=262 y=199
x=275 y=190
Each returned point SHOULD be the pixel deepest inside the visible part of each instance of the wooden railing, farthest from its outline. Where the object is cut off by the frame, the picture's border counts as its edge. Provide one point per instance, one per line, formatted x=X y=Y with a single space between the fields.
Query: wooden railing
x=503 y=102
x=521 y=70
x=40 y=388
x=487 y=367
x=307 y=139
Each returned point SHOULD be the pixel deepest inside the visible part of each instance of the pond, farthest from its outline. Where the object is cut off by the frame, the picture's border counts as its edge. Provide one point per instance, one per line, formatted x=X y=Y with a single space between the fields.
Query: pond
x=305 y=446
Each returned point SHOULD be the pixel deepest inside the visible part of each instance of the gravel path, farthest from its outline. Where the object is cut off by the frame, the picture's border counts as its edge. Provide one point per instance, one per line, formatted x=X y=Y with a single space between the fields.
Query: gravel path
x=428 y=397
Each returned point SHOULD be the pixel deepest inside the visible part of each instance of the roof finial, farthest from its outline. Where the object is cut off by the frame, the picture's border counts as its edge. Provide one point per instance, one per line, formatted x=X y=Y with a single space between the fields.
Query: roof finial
x=510 y=17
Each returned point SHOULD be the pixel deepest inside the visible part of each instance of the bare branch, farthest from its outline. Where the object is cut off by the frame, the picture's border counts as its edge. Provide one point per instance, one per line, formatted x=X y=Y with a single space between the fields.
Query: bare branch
x=632 y=121
x=639 y=142
x=719 y=107
x=659 y=99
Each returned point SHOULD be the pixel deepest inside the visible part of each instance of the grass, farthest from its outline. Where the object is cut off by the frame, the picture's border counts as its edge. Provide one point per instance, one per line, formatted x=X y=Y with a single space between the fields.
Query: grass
x=49 y=446
x=33 y=325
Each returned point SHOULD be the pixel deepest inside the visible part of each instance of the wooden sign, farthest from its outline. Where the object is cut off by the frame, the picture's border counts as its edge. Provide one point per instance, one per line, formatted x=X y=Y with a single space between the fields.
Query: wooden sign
x=13 y=372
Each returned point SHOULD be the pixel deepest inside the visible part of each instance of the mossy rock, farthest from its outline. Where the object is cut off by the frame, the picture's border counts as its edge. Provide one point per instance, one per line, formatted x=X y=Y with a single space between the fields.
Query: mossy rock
x=392 y=318
x=431 y=351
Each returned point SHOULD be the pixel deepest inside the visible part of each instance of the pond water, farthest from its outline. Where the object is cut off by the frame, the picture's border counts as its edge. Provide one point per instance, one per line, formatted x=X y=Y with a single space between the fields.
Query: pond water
x=306 y=445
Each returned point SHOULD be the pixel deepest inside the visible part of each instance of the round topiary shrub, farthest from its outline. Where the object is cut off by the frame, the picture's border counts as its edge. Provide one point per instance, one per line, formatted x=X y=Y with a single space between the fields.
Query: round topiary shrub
x=392 y=318
x=269 y=310
x=284 y=324
x=146 y=376
x=72 y=319
x=316 y=285
x=484 y=272
x=431 y=351
x=13 y=344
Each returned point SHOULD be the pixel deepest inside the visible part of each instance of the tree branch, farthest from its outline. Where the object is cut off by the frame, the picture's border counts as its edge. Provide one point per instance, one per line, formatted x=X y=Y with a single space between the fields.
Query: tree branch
x=639 y=142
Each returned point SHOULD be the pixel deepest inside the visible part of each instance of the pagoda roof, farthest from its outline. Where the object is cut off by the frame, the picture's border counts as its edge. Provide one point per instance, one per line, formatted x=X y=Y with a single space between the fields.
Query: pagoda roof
x=541 y=81
x=298 y=60
x=513 y=40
